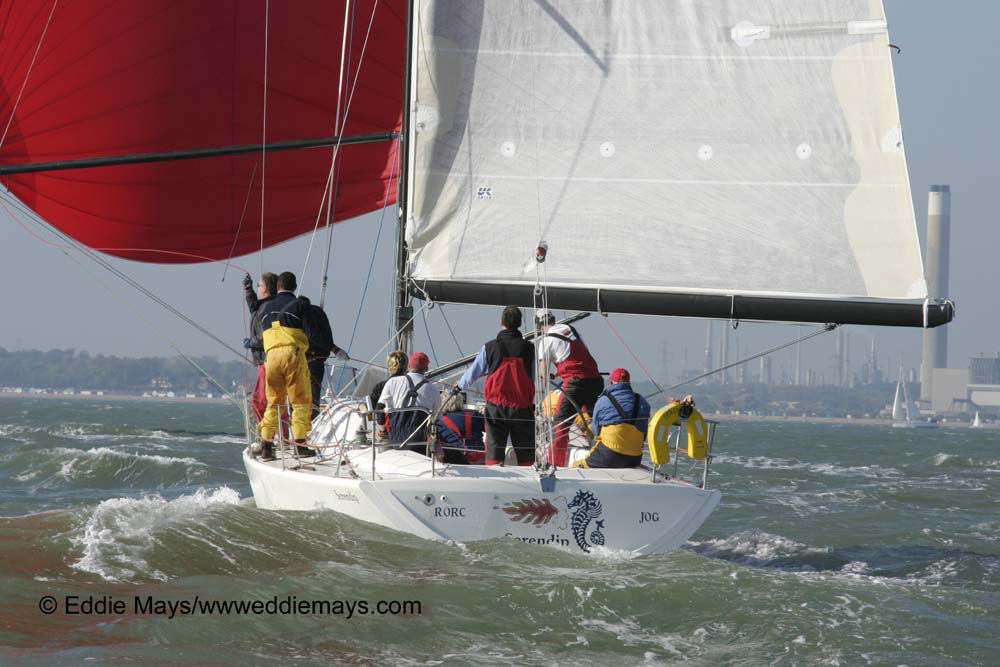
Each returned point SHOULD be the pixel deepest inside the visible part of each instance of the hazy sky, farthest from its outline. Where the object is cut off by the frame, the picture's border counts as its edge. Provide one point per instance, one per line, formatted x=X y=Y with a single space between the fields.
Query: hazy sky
x=946 y=79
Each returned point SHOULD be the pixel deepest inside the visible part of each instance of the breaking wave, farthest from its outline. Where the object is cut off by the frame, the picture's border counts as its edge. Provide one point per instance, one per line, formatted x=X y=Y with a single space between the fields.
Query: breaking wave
x=63 y=467
x=120 y=533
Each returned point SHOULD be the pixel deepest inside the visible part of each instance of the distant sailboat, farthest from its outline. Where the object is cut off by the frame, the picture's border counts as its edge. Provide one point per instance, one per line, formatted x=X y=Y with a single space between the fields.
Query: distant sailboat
x=976 y=422
x=904 y=411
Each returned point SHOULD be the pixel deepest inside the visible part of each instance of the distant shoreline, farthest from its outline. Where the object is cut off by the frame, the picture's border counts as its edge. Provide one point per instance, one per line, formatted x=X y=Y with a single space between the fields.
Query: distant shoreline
x=112 y=396
x=868 y=421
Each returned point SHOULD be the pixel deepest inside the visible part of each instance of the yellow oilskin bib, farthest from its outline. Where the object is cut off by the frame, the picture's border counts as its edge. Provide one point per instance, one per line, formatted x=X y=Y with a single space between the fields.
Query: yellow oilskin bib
x=622 y=438
x=286 y=375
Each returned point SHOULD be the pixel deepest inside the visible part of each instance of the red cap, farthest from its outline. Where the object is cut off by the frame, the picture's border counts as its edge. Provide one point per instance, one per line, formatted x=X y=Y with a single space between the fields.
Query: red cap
x=419 y=361
x=620 y=375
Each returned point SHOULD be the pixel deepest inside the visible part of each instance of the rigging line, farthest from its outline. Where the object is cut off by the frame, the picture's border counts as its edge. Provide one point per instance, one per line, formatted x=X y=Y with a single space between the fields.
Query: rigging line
x=240 y=226
x=659 y=389
x=371 y=263
x=450 y=330
x=826 y=328
x=73 y=244
x=382 y=349
x=31 y=66
x=336 y=166
x=241 y=405
x=336 y=152
x=31 y=214
x=263 y=132
x=430 y=341
x=169 y=343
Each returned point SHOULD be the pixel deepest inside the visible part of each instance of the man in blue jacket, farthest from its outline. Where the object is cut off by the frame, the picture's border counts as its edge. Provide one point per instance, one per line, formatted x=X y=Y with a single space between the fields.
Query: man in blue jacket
x=621 y=418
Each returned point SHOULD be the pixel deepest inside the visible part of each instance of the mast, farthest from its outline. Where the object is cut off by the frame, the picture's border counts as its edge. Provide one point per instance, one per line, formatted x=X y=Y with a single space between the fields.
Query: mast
x=402 y=299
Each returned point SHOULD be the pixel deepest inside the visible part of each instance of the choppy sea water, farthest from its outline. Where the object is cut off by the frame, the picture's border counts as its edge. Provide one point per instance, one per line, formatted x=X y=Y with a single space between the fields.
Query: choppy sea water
x=833 y=545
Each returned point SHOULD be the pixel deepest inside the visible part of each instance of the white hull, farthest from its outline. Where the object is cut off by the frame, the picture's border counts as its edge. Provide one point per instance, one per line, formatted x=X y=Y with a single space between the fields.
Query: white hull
x=585 y=509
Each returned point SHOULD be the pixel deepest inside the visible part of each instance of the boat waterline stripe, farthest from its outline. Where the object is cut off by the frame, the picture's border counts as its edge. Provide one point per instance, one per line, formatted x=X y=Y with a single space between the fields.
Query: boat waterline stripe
x=220 y=151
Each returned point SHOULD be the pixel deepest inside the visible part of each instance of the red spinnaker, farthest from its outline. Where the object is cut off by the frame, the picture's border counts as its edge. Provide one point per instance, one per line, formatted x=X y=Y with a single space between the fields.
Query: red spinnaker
x=121 y=77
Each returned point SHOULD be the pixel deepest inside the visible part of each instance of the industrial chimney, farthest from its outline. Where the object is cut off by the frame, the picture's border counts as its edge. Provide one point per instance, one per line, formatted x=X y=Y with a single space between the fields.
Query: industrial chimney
x=935 y=353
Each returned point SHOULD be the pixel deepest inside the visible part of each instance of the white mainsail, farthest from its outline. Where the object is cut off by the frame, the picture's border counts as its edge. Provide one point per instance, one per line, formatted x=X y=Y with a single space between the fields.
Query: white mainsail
x=694 y=146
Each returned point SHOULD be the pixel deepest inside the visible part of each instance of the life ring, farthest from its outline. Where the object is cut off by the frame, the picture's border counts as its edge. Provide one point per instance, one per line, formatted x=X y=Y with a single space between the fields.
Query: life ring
x=658 y=433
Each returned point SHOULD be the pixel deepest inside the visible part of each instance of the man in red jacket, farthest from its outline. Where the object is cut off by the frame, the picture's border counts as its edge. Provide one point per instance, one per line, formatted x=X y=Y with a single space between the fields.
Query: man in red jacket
x=562 y=346
x=508 y=361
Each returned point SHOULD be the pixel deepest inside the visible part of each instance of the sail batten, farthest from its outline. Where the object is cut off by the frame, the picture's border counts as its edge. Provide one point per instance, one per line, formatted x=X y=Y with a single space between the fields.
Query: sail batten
x=692 y=147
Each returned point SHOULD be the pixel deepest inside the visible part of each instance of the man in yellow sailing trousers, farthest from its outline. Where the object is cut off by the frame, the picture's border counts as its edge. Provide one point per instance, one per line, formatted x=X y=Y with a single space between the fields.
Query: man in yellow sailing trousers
x=284 y=321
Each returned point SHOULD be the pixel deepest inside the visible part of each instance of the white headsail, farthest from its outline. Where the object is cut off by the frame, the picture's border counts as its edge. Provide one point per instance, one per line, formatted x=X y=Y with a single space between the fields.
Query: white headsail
x=696 y=146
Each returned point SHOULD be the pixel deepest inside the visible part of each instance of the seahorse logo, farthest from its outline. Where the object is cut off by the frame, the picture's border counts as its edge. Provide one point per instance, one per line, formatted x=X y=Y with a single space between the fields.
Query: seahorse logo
x=586 y=508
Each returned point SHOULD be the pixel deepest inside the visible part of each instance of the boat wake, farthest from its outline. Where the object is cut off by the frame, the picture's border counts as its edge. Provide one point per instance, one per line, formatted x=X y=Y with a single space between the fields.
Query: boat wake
x=905 y=564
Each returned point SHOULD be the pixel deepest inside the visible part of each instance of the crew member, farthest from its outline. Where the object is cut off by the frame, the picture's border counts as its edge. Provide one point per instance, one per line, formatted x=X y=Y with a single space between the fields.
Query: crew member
x=284 y=320
x=508 y=361
x=411 y=390
x=620 y=420
x=562 y=345
x=321 y=346
x=267 y=287
x=460 y=432
x=396 y=365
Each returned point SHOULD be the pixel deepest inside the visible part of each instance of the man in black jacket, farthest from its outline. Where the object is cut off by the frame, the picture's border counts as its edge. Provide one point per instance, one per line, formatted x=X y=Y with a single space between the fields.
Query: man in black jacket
x=267 y=287
x=321 y=346
x=508 y=361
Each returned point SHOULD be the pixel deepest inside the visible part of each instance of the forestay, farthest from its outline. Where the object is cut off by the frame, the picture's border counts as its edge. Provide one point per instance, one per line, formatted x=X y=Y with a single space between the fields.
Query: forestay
x=702 y=147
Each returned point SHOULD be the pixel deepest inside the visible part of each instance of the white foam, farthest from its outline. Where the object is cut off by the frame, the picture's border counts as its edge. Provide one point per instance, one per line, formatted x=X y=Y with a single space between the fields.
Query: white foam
x=758 y=547
x=78 y=455
x=120 y=530
x=768 y=463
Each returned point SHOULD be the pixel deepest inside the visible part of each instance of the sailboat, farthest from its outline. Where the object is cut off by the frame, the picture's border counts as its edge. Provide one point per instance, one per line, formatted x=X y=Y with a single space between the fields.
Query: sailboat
x=904 y=410
x=976 y=422
x=709 y=158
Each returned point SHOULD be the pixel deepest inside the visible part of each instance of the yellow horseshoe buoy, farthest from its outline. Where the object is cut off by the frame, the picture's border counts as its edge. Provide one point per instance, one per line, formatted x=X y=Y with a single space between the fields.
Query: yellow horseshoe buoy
x=658 y=434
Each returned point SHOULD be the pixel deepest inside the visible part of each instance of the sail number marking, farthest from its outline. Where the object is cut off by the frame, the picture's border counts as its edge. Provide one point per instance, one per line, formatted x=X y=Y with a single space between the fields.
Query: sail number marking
x=449 y=512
